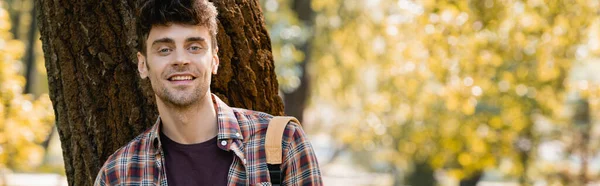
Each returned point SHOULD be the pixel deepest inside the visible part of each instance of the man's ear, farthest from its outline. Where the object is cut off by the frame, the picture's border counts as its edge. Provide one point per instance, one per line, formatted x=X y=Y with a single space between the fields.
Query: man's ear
x=142 y=67
x=215 y=61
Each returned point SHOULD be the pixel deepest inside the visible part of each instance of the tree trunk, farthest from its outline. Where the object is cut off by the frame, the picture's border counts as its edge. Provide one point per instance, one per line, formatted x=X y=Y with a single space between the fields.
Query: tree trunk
x=423 y=175
x=14 y=10
x=99 y=100
x=295 y=101
x=30 y=54
x=472 y=180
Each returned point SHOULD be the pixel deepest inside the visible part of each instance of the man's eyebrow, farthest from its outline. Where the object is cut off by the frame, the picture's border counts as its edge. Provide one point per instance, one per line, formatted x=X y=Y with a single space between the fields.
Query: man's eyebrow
x=195 y=39
x=163 y=40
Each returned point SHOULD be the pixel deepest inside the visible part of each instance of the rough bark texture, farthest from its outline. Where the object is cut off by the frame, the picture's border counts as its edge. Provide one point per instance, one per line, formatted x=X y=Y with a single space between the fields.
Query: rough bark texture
x=99 y=100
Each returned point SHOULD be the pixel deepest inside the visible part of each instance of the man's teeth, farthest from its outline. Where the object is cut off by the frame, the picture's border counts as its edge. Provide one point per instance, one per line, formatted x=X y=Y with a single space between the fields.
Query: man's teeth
x=179 y=78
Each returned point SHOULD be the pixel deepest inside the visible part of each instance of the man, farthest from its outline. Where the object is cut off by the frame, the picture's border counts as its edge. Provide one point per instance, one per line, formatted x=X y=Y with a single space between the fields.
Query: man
x=198 y=139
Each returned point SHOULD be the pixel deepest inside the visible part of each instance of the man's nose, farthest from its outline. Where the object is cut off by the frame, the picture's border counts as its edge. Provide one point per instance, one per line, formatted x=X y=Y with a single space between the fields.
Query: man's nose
x=181 y=58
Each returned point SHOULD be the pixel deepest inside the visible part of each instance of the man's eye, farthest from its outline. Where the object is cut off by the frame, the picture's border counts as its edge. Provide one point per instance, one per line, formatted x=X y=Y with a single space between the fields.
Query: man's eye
x=195 y=48
x=164 y=50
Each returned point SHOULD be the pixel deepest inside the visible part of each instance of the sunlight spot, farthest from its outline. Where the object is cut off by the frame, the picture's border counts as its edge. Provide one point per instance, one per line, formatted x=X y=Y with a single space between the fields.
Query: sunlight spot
x=489 y=3
x=521 y=90
x=503 y=86
x=272 y=5
x=372 y=3
x=410 y=6
x=531 y=92
x=583 y=85
x=558 y=30
x=452 y=40
x=335 y=21
x=434 y=18
x=476 y=90
x=477 y=25
x=468 y=81
x=472 y=101
x=429 y=29
x=519 y=8
x=409 y=67
x=379 y=45
x=462 y=18
x=447 y=16
x=392 y=30
x=27 y=106
x=581 y=52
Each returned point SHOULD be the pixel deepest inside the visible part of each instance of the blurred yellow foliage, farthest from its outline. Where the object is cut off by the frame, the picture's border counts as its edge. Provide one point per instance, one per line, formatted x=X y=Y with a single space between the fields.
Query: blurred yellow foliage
x=25 y=122
x=455 y=82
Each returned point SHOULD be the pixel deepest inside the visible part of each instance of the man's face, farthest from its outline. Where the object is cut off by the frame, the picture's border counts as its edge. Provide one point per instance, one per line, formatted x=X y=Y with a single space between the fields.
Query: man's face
x=179 y=61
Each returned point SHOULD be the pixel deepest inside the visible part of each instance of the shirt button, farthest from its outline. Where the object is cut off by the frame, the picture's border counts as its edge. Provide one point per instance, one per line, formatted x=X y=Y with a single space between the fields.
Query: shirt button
x=238 y=134
x=244 y=161
x=223 y=143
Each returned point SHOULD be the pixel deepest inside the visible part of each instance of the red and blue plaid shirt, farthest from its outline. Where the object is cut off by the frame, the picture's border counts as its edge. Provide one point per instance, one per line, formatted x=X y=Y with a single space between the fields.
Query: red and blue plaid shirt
x=141 y=161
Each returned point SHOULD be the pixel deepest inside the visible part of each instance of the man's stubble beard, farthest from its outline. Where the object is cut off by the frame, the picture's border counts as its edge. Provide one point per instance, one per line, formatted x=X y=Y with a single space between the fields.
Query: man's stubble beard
x=183 y=100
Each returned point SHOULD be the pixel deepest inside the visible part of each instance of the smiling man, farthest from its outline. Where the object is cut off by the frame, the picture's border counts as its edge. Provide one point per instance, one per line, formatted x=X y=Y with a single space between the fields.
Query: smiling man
x=197 y=139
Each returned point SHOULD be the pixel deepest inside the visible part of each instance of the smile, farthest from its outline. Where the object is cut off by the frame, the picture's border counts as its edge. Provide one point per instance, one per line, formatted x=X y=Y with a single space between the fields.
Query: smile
x=181 y=78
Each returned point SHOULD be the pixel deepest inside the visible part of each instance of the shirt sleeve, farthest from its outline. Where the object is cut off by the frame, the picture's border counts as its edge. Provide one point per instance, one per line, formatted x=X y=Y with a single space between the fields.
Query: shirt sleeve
x=100 y=178
x=300 y=166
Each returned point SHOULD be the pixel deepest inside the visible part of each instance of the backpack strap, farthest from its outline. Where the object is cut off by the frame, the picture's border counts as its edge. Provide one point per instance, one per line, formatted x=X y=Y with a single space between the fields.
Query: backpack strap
x=273 y=147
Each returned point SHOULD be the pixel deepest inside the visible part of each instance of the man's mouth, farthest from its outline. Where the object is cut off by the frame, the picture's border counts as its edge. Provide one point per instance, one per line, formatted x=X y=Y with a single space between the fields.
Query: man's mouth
x=181 y=78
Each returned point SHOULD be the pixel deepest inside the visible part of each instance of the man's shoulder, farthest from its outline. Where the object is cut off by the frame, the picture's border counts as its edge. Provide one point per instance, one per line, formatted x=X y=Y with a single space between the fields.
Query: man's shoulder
x=246 y=115
x=129 y=161
x=257 y=122
x=139 y=145
x=252 y=122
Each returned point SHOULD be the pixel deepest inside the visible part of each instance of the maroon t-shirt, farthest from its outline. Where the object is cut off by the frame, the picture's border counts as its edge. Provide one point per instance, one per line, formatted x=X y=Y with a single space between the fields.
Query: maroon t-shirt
x=195 y=164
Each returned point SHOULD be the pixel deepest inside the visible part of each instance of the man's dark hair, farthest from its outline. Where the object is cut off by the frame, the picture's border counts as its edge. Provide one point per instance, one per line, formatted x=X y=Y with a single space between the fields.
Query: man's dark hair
x=166 y=12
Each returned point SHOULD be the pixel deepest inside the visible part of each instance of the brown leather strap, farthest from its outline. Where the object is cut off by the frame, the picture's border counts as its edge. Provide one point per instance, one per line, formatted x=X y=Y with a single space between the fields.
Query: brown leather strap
x=274 y=136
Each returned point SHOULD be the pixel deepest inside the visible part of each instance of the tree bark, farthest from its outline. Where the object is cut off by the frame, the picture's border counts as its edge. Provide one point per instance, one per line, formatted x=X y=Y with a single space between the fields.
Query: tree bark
x=99 y=100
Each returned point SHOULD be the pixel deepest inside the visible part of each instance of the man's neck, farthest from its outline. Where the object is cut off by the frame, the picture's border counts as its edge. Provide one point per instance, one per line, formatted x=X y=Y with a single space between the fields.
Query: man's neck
x=190 y=125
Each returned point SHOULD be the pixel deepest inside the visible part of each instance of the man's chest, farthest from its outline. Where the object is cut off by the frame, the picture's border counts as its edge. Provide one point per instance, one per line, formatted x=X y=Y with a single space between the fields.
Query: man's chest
x=197 y=165
x=239 y=166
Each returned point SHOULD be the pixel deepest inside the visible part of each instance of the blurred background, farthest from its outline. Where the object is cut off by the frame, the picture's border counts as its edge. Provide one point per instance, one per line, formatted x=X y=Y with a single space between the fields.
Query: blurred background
x=391 y=92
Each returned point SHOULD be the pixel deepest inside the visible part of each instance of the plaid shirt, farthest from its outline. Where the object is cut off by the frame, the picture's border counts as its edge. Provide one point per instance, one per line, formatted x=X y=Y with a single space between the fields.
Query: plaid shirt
x=141 y=161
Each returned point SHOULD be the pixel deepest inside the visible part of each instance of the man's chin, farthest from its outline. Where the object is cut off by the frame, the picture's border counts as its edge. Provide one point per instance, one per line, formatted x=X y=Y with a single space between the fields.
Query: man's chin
x=180 y=100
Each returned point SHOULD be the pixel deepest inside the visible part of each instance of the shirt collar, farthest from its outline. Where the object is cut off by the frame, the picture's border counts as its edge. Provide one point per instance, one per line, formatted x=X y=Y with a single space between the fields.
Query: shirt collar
x=229 y=127
x=226 y=120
